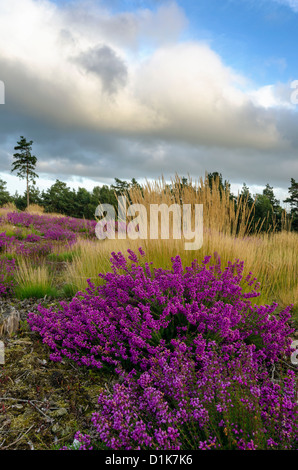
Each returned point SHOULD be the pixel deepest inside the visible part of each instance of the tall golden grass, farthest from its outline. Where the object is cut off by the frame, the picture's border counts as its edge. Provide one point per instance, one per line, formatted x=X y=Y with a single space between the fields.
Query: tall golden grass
x=33 y=281
x=34 y=209
x=272 y=257
x=228 y=231
x=27 y=273
x=221 y=212
x=39 y=210
x=8 y=207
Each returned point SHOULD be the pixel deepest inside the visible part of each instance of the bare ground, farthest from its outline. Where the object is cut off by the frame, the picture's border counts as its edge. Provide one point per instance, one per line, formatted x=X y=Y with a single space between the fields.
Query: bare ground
x=42 y=403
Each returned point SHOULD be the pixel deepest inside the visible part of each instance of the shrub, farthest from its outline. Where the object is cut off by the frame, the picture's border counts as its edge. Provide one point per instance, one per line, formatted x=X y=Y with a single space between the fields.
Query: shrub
x=7 y=269
x=221 y=400
x=32 y=238
x=6 y=241
x=195 y=356
x=58 y=233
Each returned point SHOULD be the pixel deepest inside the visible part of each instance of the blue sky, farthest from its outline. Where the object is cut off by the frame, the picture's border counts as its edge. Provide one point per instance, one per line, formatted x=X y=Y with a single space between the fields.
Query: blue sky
x=257 y=37
x=148 y=88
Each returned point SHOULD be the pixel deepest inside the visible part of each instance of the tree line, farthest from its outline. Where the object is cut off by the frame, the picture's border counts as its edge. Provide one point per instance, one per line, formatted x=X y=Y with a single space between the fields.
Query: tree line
x=81 y=203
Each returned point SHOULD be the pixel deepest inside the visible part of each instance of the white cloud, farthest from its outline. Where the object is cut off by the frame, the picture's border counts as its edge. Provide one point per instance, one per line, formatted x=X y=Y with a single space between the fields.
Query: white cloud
x=118 y=80
x=273 y=96
x=181 y=89
x=196 y=97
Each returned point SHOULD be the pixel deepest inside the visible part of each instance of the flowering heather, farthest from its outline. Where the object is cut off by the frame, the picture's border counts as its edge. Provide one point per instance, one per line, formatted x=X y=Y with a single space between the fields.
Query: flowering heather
x=81 y=442
x=33 y=249
x=7 y=269
x=196 y=357
x=219 y=402
x=51 y=225
x=51 y=229
x=59 y=233
x=6 y=241
x=32 y=238
x=32 y=245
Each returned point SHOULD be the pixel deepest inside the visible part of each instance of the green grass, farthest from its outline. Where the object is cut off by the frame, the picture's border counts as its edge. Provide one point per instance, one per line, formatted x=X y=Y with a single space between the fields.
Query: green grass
x=69 y=290
x=9 y=256
x=66 y=256
x=34 y=281
x=36 y=291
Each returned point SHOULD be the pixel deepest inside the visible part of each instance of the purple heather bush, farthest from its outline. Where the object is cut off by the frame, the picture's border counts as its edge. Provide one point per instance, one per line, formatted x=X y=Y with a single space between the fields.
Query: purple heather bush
x=32 y=238
x=33 y=249
x=51 y=229
x=59 y=233
x=7 y=269
x=32 y=245
x=6 y=241
x=199 y=365
x=54 y=226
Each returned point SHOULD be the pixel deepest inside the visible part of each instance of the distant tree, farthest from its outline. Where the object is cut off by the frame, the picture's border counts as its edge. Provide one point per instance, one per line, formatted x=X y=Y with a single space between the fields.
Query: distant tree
x=24 y=163
x=120 y=187
x=60 y=198
x=104 y=195
x=4 y=194
x=246 y=195
x=243 y=204
x=34 y=195
x=20 y=200
x=292 y=200
x=184 y=181
x=83 y=204
x=223 y=186
x=268 y=192
x=135 y=184
x=267 y=209
x=263 y=212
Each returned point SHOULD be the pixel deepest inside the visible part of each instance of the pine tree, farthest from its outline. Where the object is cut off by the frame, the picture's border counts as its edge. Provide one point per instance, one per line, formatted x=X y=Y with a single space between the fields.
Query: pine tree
x=293 y=201
x=269 y=193
x=24 y=163
x=293 y=198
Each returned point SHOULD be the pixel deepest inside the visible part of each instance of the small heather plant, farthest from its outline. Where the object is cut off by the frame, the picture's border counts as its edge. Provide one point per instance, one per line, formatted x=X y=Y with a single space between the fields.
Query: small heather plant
x=32 y=238
x=6 y=241
x=7 y=270
x=196 y=358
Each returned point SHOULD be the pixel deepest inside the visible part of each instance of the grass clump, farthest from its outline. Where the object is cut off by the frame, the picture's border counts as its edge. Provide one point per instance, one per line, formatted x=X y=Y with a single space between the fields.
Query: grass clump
x=63 y=256
x=34 y=281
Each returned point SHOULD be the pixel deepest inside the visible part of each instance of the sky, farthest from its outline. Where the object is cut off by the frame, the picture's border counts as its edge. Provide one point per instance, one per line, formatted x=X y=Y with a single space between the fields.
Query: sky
x=150 y=88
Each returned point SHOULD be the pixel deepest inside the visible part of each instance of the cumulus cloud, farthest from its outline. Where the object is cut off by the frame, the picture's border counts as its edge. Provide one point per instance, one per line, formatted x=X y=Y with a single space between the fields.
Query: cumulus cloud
x=106 y=94
x=197 y=98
